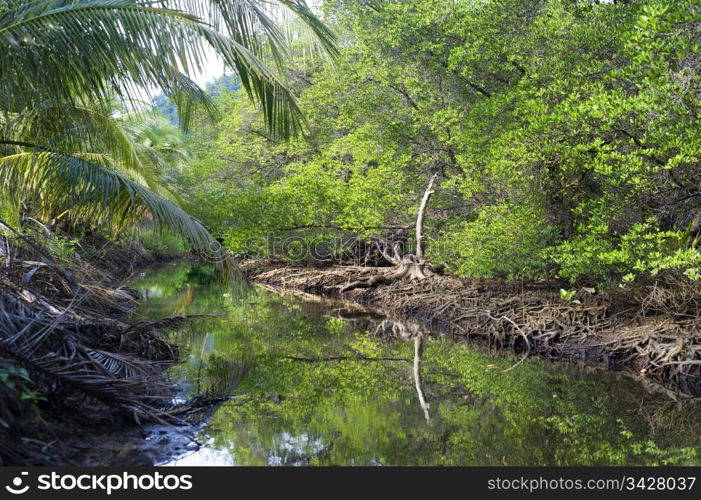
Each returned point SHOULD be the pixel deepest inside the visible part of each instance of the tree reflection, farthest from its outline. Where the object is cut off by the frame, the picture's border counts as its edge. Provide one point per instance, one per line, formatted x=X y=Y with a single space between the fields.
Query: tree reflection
x=323 y=383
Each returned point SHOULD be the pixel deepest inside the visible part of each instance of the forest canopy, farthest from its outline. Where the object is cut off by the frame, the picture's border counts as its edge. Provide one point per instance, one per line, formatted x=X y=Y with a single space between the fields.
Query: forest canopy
x=564 y=133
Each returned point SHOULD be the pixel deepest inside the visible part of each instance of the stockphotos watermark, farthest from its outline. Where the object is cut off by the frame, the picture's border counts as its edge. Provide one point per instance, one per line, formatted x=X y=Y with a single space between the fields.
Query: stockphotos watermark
x=106 y=483
x=300 y=249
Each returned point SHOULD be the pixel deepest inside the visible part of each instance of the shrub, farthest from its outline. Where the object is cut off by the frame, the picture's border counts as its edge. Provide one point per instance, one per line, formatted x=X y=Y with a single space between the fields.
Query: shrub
x=503 y=240
x=597 y=252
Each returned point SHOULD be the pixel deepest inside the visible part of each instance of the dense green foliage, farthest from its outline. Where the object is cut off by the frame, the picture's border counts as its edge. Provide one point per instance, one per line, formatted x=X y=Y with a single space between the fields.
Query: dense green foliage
x=565 y=134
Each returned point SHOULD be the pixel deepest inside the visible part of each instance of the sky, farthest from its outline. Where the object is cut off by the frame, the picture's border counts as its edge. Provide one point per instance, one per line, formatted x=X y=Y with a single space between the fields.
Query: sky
x=214 y=66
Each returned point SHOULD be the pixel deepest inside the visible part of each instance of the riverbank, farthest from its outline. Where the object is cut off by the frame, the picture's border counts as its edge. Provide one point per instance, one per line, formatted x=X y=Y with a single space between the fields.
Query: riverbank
x=320 y=381
x=75 y=371
x=526 y=317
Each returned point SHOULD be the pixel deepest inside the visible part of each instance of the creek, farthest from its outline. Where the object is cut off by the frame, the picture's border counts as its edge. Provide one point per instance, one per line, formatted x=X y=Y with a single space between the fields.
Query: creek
x=321 y=382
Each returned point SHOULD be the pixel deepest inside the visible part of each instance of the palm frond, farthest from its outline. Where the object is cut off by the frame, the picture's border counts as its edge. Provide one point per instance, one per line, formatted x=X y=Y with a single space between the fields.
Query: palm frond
x=84 y=130
x=248 y=22
x=84 y=48
x=280 y=108
x=89 y=191
x=327 y=38
x=69 y=50
x=61 y=358
x=256 y=24
x=145 y=175
x=73 y=128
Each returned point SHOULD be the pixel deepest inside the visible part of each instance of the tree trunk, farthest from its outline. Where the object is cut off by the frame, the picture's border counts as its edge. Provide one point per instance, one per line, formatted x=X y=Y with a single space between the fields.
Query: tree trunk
x=410 y=266
x=420 y=219
x=418 y=358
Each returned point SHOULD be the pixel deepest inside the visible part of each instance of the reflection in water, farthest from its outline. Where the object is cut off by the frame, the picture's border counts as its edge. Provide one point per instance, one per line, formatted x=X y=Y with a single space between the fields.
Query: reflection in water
x=418 y=353
x=410 y=330
x=324 y=383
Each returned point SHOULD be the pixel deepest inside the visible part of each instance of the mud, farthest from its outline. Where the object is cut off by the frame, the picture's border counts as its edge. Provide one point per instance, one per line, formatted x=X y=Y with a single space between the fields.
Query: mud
x=526 y=317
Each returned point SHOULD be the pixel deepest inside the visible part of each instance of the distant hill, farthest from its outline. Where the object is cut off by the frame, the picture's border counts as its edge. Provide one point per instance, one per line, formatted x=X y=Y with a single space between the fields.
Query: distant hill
x=166 y=106
x=226 y=82
x=214 y=88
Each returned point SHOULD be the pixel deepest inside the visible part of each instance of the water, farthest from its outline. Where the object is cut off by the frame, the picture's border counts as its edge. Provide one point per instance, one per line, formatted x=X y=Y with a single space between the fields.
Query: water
x=323 y=383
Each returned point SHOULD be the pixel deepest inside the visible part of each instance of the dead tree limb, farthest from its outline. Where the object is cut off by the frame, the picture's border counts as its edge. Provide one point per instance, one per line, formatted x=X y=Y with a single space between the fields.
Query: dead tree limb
x=418 y=357
x=415 y=267
x=409 y=266
x=420 y=219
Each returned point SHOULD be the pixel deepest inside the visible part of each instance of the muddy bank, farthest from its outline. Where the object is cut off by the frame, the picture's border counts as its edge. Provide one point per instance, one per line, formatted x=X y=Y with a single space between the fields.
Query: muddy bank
x=73 y=367
x=523 y=317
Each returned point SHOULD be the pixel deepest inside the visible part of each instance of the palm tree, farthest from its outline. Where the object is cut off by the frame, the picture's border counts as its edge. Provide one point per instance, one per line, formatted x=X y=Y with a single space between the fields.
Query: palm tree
x=62 y=61
x=118 y=155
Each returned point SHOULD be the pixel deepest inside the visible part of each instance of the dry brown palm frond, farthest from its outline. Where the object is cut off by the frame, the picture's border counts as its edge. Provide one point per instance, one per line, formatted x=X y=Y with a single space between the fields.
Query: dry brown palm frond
x=56 y=354
x=76 y=358
x=58 y=329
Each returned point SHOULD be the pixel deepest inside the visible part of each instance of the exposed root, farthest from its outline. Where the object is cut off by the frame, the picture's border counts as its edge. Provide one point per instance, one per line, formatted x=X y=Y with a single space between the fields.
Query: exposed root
x=527 y=318
x=410 y=267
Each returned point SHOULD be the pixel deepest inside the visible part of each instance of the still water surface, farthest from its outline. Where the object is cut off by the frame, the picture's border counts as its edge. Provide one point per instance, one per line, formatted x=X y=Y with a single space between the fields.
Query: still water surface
x=323 y=383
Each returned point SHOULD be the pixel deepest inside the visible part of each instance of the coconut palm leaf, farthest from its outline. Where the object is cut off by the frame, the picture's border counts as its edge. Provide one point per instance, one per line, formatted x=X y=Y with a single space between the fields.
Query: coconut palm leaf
x=66 y=50
x=77 y=50
x=145 y=174
x=139 y=144
x=60 y=358
x=61 y=63
x=93 y=191
x=256 y=24
x=324 y=35
x=74 y=128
